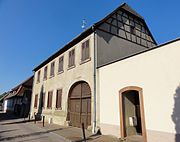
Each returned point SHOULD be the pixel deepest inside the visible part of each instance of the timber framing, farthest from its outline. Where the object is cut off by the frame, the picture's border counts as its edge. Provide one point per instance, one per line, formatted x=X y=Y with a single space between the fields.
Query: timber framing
x=124 y=7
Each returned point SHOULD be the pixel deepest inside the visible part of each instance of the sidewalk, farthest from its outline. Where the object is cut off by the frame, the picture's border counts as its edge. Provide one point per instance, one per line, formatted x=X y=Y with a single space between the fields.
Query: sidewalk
x=75 y=134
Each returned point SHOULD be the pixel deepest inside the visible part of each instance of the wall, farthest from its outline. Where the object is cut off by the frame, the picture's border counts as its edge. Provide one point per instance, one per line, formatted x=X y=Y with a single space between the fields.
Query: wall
x=64 y=81
x=157 y=72
x=111 y=48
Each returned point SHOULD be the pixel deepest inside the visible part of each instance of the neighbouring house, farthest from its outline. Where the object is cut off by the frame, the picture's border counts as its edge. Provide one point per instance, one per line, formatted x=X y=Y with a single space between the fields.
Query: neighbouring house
x=18 y=99
x=141 y=94
x=66 y=88
x=2 y=96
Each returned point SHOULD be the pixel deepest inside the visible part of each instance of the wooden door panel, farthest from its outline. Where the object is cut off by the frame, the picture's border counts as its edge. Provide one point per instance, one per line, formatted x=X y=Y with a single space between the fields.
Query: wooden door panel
x=80 y=105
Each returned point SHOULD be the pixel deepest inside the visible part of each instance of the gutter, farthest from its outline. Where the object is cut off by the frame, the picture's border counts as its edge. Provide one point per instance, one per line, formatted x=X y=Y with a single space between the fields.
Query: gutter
x=94 y=80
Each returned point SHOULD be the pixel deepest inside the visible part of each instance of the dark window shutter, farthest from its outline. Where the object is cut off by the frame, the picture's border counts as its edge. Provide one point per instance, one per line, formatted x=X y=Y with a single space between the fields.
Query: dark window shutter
x=35 y=101
x=49 y=102
x=44 y=73
x=52 y=69
x=71 y=57
x=38 y=76
x=58 y=98
x=61 y=60
x=85 y=50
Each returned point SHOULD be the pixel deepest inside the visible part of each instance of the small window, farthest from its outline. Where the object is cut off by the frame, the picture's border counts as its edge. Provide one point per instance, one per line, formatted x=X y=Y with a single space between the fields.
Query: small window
x=35 y=101
x=132 y=30
x=59 y=99
x=52 y=69
x=85 y=51
x=49 y=101
x=45 y=72
x=38 y=76
x=71 y=58
x=61 y=64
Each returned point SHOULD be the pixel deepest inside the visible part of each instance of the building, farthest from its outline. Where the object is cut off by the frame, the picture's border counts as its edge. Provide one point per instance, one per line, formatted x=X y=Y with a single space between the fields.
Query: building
x=141 y=94
x=2 y=96
x=18 y=99
x=66 y=85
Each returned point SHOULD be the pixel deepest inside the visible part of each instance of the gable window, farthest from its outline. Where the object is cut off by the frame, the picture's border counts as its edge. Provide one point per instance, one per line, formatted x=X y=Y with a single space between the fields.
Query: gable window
x=49 y=101
x=61 y=63
x=132 y=30
x=85 y=51
x=58 y=99
x=38 y=76
x=71 y=58
x=45 y=73
x=52 y=69
x=35 y=101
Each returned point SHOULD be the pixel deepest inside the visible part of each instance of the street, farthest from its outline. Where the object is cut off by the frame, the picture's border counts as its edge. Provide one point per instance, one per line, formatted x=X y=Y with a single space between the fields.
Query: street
x=16 y=130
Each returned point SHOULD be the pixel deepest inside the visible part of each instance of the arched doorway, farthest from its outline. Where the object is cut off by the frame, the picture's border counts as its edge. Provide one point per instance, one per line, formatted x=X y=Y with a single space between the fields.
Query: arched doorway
x=79 y=104
x=132 y=121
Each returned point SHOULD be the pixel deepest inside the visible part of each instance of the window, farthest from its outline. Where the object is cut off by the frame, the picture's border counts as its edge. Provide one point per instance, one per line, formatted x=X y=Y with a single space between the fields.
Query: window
x=38 y=76
x=35 y=101
x=49 y=101
x=132 y=30
x=85 y=51
x=71 y=58
x=61 y=60
x=52 y=69
x=45 y=73
x=58 y=98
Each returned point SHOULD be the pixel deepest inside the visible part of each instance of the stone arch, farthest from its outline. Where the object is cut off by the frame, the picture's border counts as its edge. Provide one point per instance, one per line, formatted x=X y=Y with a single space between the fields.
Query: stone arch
x=79 y=104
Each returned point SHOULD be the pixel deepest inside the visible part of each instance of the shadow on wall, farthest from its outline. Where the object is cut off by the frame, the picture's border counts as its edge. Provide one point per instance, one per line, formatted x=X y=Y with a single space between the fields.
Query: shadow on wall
x=176 y=114
x=40 y=107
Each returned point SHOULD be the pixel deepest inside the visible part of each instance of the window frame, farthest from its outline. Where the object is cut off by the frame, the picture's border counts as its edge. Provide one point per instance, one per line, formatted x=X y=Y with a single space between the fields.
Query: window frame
x=71 y=60
x=38 y=76
x=36 y=101
x=52 y=70
x=84 y=50
x=59 y=106
x=45 y=73
x=49 y=102
x=61 y=64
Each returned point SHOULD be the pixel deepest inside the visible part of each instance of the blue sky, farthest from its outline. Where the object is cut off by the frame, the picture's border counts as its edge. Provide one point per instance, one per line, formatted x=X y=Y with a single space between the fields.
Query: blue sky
x=32 y=30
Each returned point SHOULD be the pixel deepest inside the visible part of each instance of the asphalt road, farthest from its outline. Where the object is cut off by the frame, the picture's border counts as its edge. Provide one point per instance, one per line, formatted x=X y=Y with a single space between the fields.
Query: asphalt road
x=15 y=130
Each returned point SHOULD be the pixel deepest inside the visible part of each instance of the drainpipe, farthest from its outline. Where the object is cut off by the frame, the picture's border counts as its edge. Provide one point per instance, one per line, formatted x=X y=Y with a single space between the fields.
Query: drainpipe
x=31 y=103
x=94 y=76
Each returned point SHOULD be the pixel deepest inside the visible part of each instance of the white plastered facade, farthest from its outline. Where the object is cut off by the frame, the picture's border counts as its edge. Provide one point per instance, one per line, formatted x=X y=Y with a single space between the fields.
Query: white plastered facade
x=157 y=72
x=64 y=80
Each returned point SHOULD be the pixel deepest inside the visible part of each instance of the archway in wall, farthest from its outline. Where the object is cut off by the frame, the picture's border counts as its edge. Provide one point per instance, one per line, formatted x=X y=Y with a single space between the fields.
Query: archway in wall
x=132 y=121
x=79 y=104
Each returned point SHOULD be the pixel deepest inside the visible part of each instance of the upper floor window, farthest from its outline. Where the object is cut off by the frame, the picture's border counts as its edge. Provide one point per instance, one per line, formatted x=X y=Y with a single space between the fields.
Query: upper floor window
x=38 y=76
x=61 y=62
x=59 y=99
x=52 y=69
x=45 y=72
x=85 y=51
x=49 y=101
x=71 y=58
x=35 y=101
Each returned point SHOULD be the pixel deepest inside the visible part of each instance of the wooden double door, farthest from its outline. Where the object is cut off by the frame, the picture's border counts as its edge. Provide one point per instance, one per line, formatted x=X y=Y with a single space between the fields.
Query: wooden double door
x=79 y=105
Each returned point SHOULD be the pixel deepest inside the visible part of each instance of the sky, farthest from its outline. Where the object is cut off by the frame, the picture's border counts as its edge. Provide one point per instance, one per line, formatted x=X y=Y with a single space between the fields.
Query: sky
x=32 y=30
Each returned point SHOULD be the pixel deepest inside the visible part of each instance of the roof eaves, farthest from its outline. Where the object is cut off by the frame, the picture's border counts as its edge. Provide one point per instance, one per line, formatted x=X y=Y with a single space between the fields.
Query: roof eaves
x=22 y=83
x=66 y=47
